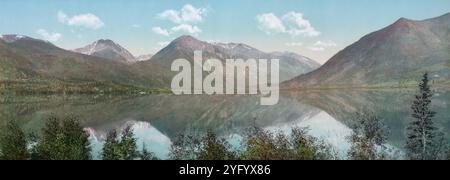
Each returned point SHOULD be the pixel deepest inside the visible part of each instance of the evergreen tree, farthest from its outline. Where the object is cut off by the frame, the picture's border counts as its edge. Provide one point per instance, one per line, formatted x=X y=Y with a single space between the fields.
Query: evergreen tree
x=63 y=140
x=111 y=148
x=213 y=148
x=123 y=148
x=76 y=138
x=128 y=144
x=13 y=143
x=424 y=141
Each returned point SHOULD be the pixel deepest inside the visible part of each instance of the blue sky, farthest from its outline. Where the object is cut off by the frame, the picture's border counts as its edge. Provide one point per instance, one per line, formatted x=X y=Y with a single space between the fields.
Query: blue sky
x=314 y=28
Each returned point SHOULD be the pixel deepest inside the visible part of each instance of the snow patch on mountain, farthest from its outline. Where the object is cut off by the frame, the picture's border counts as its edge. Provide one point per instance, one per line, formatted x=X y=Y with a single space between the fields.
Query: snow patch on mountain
x=12 y=38
x=144 y=57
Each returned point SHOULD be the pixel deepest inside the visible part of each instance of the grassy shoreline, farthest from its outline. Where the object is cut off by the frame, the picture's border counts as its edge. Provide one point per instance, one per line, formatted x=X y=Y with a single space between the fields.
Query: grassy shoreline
x=97 y=88
x=437 y=86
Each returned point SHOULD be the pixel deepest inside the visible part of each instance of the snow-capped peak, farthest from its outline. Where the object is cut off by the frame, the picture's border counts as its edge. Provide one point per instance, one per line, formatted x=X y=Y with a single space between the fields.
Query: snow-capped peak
x=108 y=49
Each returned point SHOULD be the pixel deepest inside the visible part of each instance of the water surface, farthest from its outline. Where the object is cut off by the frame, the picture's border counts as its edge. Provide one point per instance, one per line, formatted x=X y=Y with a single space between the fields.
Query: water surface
x=157 y=119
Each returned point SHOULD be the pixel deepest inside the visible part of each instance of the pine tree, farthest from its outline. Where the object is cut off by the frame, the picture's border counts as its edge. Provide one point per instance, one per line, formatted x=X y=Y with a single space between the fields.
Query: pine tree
x=123 y=148
x=76 y=138
x=128 y=144
x=213 y=148
x=13 y=143
x=111 y=150
x=63 y=140
x=424 y=141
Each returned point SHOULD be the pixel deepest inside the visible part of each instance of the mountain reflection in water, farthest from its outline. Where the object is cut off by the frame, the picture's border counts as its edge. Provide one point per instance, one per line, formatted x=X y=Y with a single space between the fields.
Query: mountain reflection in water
x=157 y=119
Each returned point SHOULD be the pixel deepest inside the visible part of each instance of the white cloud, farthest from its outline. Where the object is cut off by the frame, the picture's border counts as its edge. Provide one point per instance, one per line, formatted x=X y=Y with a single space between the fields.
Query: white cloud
x=136 y=26
x=270 y=23
x=88 y=20
x=183 y=20
x=191 y=14
x=298 y=25
x=52 y=37
x=294 y=44
x=322 y=45
x=291 y=23
x=161 y=31
x=187 y=28
x=187 y=14
x=171 y=15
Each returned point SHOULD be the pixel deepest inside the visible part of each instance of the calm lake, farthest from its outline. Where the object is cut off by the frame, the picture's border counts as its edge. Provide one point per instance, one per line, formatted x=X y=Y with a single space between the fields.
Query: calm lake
x=157 y=119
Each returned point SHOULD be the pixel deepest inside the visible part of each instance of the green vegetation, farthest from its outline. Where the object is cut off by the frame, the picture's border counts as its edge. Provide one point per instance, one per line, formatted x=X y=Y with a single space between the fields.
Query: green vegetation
x=213 y=148
x=208 y=147
x=124 y=147
x=264 y=145
x=62 y=140
x=13 y=143
x=58 y=87
x=369 y=138
x=65 y=139
x=424 y=140
x=259 y=144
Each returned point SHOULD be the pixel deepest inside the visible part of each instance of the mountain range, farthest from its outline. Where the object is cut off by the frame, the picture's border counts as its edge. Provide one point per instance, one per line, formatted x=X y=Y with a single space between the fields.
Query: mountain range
x=397 y=55
x=29 y=63
x=291 y=64
x=38 y=65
